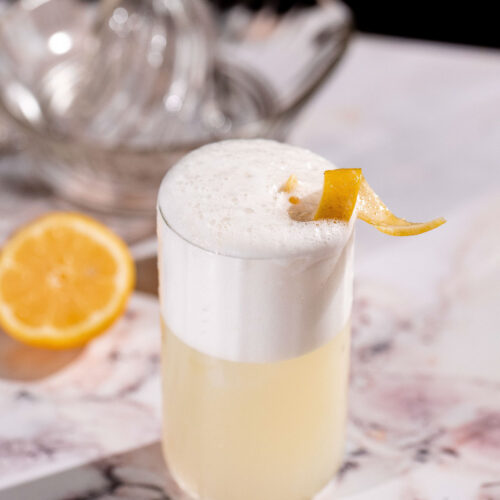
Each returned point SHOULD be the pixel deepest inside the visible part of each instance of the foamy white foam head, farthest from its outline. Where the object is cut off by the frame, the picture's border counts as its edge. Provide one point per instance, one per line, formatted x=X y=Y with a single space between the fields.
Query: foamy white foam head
x=240 y=279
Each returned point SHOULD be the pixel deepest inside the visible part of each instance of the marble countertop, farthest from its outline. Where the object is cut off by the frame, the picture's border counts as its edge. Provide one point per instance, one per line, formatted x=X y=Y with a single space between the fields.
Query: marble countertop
x=421 y=120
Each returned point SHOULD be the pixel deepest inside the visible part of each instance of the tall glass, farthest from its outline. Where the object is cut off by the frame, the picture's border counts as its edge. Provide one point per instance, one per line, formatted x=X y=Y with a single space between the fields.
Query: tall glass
x=255 y=370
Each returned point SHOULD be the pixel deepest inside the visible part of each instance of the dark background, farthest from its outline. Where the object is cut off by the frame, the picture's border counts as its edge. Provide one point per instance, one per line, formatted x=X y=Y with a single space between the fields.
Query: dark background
x=474 y=22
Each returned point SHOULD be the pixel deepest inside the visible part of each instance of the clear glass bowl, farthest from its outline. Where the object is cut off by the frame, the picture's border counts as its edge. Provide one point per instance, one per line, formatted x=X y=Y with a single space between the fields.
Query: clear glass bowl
x=109 y=94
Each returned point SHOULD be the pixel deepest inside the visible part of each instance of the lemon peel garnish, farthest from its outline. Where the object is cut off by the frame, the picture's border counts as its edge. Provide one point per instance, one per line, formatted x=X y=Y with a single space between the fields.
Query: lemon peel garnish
x=345 y=189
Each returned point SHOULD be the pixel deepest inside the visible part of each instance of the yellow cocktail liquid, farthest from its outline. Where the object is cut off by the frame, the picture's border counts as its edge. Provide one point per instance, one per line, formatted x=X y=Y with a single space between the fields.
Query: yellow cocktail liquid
x=254 y=431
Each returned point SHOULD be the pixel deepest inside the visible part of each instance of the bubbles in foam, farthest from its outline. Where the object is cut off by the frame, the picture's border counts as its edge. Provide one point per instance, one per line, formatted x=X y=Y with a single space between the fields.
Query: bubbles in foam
x=225 y=197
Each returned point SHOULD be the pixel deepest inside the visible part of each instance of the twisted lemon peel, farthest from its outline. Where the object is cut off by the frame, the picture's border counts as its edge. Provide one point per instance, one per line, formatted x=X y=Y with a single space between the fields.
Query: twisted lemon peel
x=346 y=188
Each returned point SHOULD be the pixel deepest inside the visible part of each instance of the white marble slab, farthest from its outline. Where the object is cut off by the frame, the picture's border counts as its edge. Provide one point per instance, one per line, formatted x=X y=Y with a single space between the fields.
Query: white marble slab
x=421 y=120
x=425 y=386
x=60 y=409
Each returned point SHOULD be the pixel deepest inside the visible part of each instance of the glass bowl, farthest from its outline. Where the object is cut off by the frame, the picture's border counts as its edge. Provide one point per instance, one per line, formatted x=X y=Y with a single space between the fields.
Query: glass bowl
x=107 y=95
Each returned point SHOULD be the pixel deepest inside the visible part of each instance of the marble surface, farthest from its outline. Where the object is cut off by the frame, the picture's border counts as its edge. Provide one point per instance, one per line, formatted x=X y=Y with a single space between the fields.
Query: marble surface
x=60 y=409
x=425 y=386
